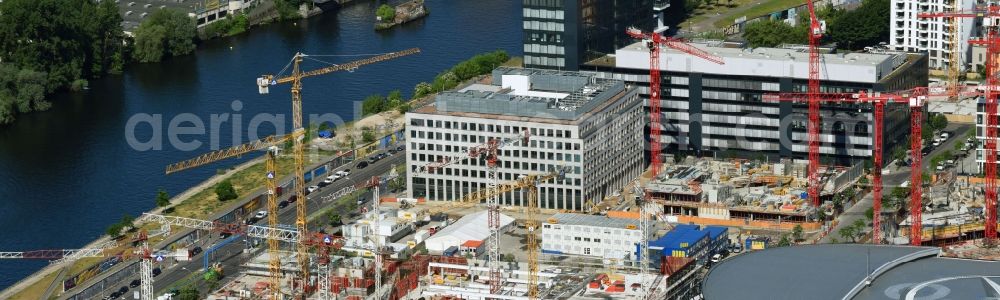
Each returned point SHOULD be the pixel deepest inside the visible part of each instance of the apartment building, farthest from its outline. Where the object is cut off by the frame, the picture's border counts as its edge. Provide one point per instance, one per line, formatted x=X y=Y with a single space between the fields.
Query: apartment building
x=589 y=126
x=930 y=35
x=720 y=110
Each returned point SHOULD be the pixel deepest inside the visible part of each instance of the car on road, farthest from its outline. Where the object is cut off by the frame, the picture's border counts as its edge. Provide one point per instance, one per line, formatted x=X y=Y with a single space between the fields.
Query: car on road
x=716 y=258
x=260 y=214
x=156 y=272
x=293 y=198
x=361 y=165
x=195 y=250
x=344 y=172
x=283 y=204
x=333 y=177
x=391 y=152
x=114 y=295
x=135 y=283
x=312 y=189
x=325 y=183
x=123 y=290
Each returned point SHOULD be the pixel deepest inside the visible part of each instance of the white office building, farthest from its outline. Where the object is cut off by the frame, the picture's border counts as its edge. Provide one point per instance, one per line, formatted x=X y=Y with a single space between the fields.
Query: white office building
x=931 y=35
x=589 y=126
x=590 y=235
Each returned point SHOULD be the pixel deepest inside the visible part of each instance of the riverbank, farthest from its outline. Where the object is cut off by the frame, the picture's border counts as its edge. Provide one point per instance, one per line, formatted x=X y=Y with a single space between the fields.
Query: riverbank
x=196 y=202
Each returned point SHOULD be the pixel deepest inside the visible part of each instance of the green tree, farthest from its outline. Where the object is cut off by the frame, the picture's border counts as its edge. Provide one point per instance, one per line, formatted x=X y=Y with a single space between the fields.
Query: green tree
x=422 y=89
x=691 y=5
x=374 y=104
x=771 y=33
x=938 y=121
x=109 y=51
x=149 y=43
x=334 y=218
x=870 y=214
x=162 y=198
x=188 y=293
x=164 y=32
x=386 y=13
x=785 y=241
x=403 y=108
x=225 y=191
x=865 y=26
x=797 y=232
x=395 y=98
x=848 y=233
x=367 y=135
x=114 y=230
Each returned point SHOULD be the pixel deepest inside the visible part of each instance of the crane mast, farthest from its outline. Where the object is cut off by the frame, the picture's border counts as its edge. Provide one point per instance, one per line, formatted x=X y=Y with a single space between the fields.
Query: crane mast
x=990 y=39
x=302 y=250
x=914 y=98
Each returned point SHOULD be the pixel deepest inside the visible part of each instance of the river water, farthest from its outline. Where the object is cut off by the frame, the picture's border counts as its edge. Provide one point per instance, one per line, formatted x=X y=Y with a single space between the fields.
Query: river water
x=67 y=173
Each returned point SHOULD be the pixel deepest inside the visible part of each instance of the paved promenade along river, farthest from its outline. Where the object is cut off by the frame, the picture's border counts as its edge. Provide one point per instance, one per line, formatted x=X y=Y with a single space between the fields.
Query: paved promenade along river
x=66 y=174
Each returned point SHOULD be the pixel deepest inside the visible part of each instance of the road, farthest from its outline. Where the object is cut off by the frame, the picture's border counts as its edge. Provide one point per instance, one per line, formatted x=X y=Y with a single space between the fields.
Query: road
x=231 y=256
x=895 y=178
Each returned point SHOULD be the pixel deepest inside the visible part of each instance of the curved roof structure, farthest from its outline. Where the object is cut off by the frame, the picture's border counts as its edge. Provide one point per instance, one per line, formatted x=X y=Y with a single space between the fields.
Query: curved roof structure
x=851 y=271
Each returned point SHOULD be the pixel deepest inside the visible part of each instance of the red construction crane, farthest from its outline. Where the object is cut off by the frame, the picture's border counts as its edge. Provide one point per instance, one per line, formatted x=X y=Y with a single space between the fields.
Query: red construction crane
x=914 y=98
x=991 y=40
x=488 y=152
x=653 y=42
x=815 y=34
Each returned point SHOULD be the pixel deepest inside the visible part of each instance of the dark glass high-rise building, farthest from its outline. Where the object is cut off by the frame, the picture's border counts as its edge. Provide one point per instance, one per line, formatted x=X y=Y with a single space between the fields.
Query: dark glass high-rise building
x=563 y=34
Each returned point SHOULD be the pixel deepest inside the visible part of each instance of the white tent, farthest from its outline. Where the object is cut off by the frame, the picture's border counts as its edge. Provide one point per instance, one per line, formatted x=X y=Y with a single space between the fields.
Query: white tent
x=470 y=227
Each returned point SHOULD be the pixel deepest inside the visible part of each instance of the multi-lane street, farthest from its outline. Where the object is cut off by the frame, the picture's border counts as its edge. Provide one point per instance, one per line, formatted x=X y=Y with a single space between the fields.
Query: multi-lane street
x=231 y=256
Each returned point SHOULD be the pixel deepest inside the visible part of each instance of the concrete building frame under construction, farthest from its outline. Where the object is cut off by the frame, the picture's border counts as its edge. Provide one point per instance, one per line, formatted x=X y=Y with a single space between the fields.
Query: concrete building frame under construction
x=588 y=125
x=721 y=109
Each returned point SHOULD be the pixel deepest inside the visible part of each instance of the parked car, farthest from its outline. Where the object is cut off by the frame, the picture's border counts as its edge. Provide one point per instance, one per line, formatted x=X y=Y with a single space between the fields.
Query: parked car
x=225 y=235
x=400 y=148
x=344 y=172
x=135 y=283
x=333 y=177
x=283 y=204
x=115 y=295
x=123 y=290
x=716 y=258
x=312 y=189
x=260 y=214
x=156 y=272
x=293 y=198
x=195 y=250
x=361 y=165
x=325 y=183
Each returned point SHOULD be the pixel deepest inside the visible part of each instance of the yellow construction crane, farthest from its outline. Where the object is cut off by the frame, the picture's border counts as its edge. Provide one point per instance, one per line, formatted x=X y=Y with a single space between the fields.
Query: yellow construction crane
x=297 y=150
x=529 y=182
x=270 y=142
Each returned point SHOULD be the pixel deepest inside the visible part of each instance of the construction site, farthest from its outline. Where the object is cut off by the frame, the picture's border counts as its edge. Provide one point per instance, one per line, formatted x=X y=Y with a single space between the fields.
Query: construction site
x=532 y=184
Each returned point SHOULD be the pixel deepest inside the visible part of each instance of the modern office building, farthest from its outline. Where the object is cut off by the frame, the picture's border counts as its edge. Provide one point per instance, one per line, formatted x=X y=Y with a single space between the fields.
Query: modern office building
x=711 y=109
x=588 y=125
x=562 y=34
x=930 y=35
x=590 y=235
